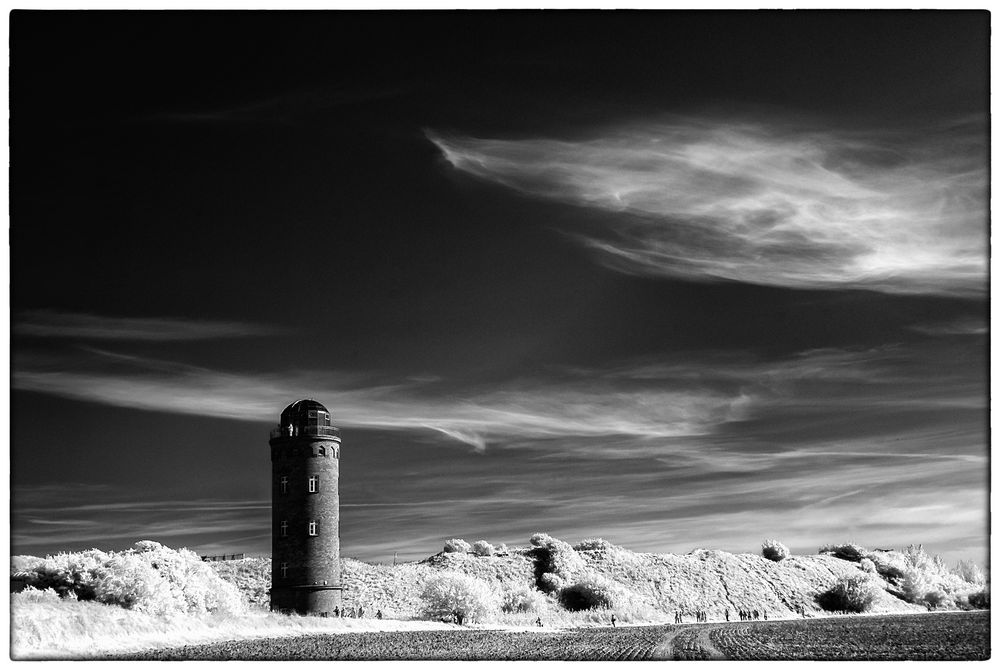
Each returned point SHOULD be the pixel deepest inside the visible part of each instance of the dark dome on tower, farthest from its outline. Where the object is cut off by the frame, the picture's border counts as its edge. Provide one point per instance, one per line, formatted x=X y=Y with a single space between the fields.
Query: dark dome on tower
x=306 y=412
x=303 y=406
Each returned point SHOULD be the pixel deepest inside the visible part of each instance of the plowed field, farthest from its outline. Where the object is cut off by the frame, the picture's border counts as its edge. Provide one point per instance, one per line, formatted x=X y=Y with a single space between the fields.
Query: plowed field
x=951 y=636
x=945 y=636
x=631 y=643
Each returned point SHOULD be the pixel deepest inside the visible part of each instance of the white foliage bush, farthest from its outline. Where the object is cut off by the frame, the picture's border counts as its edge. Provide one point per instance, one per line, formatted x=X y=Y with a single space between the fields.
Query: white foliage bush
x=132 y=583
x=457 y=546
x=146 y=546
x=550 y=582
x=148 y=578
x=522 y=599
x=594 y=544
x=916 y=583
x=482 y=548
x=847 y=551
x=450 y=592
x=540 y=539
x=558 y=558
x=851 y=594
x=928 y=581
x=251 y=577
x=891 y=565
x=970 y=572
x=70 y=572
x=774 y=550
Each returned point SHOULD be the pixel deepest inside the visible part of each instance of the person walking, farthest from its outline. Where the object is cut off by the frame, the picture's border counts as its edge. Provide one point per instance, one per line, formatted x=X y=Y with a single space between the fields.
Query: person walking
x=613 y=620
x=378 y=615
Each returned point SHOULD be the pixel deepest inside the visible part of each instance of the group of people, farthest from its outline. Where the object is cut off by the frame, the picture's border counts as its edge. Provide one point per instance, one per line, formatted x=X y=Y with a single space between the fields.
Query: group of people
x=752 y=615
x=457 y=617
x=701 y=616
x=353 y=612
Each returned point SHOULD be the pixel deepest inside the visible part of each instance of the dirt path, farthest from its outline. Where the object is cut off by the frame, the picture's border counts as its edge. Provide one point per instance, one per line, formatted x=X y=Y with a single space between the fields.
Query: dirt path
x=705 y=642
x=691 y=643
x=664 y=650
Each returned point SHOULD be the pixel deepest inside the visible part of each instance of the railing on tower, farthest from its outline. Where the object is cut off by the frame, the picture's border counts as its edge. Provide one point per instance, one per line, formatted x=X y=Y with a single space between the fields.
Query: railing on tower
x=282 y=431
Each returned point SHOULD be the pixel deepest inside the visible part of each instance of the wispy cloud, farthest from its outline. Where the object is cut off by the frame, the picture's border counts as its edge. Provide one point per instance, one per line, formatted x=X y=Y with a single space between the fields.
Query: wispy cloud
x=660 y=403
x=882 y=446
x=522 y=409
x=53 y=324
x=66 y=519
x=764 y=203
x=962 y=326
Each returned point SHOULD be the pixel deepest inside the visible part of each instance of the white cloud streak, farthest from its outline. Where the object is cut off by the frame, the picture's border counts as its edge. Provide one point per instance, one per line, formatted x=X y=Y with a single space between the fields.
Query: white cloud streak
x=53 y=324
x=651 y=408
x=963 y=326
x=765 y=204
x=535 y=410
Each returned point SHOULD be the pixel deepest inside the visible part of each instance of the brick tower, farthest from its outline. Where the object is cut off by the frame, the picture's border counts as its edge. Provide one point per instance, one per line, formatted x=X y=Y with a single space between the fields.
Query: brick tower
x=305 y=511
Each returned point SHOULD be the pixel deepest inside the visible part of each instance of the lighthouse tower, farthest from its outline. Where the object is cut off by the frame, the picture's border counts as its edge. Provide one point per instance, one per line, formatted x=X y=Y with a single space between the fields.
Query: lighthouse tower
x=305 y=511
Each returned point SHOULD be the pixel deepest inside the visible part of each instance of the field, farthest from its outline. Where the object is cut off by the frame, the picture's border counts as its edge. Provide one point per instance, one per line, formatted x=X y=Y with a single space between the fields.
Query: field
x=933 y=636
x=953 y=635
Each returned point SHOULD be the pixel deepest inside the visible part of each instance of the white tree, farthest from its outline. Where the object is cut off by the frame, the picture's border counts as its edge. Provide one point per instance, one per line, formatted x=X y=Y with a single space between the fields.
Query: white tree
x=451 y=593
x=774 y=550
x=482 y=548
x=522 y=599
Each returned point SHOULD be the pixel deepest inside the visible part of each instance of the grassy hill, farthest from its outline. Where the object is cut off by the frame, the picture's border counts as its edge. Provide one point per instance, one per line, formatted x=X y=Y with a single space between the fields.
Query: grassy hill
x=648 y=587
x=79 y=604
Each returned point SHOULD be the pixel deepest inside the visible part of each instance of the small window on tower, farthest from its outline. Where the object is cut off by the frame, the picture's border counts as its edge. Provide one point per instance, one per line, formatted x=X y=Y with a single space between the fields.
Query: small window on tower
x=313 y=531
x=284 y=528
x=313 y=484
x=283 y=485
x=284 y=570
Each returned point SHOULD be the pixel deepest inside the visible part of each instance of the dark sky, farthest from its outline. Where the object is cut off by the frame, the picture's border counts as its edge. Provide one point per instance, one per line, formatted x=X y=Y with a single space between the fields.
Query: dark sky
x=672 y=279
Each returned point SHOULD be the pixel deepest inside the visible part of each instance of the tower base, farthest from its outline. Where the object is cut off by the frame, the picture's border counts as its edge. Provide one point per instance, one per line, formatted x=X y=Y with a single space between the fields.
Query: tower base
x=307 y=600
